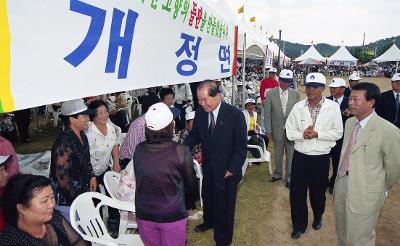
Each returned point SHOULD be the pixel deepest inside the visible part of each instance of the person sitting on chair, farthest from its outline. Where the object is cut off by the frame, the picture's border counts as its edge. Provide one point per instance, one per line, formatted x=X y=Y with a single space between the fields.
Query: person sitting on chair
x=31 y=218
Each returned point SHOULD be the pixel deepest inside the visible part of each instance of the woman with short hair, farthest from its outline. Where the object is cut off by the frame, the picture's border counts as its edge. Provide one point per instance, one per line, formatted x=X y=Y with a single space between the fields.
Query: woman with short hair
x=31 y=218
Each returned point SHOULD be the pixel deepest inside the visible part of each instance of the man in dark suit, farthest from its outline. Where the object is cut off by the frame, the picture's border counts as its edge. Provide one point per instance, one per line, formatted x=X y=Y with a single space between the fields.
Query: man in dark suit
x=221 y=129
x=337 y=88
x=389 y=106
x=354 y=79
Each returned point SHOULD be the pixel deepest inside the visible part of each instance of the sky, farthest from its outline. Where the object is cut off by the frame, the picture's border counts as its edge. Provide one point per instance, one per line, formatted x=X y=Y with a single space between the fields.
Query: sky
x=325 y=21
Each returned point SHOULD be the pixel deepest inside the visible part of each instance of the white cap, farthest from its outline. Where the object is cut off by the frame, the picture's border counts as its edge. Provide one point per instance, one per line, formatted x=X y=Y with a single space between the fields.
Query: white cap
x=190 y=115
x=239 y=83
x=315 y=79
x=273 y=70
x=76 y=106
x=158 y=116
x=250 y=100
x=354 y=76
x=396 y=77
x=4 y=159
x=337 y=82
x=286 y=74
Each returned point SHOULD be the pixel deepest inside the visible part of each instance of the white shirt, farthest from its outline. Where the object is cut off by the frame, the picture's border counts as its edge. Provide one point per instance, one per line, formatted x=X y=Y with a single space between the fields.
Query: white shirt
x=340 y=100
x=363 y=123
x=395 y=94
x=100 y=147
x=215 y=113
x=328 y=125
x=182 y=93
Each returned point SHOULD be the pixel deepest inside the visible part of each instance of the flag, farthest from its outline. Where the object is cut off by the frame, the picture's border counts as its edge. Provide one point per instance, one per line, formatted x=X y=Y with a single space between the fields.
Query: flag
x=241 y=9
x=253 y=19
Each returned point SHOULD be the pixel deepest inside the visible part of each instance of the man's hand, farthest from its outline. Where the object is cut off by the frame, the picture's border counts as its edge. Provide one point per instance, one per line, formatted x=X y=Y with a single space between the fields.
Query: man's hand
x=93 y=184
x=228 y=174
x=309 y=133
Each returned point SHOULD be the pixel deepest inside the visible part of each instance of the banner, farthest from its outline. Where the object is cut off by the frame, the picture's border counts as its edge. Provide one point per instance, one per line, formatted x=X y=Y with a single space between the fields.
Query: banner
x=53 y=51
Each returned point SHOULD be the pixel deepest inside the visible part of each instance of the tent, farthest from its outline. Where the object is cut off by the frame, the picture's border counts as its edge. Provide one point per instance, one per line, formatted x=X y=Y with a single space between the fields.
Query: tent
x=342 y=57
x=311 y=53
x=391 y=55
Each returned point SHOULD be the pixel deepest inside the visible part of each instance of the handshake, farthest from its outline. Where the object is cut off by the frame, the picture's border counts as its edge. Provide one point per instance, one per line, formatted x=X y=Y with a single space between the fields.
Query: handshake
x=309 y=133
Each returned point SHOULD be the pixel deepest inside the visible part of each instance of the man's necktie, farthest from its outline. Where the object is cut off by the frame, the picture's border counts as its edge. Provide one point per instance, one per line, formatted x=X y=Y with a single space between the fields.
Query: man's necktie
x=212 y=123
x=337 y=101
x=284 y=101
x=344 y=166
x=397 y=116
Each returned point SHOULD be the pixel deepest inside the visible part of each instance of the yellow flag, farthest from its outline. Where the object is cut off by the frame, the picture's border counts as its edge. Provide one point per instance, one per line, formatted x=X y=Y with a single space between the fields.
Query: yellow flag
x=241 y=9
x=253 y=19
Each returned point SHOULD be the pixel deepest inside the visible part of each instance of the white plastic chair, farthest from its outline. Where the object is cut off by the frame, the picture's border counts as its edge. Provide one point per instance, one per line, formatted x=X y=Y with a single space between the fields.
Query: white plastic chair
x=199 y=175
x=265 y=156
x=56 y=114
x=111 y=182
x=86 y=220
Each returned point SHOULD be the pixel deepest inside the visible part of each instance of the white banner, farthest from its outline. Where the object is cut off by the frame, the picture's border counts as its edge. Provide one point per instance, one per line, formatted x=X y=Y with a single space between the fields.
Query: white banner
x=67 y=49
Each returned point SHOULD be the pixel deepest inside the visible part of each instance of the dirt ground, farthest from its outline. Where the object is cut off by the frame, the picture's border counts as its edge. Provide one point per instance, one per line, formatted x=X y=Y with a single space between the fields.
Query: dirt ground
x=263 y=210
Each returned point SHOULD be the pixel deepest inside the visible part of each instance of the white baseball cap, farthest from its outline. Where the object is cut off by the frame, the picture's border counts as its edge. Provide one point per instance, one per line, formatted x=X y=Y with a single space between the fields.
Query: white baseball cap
x=396 y=77
x=4 y=159
x=273 y=70
x=354 y=76
x=239 y=83
x=315 y=79
x=190 y=115
x=250 y=100
x=286 y=74
x=76 y=106
x=337 y=82
x=158 y=116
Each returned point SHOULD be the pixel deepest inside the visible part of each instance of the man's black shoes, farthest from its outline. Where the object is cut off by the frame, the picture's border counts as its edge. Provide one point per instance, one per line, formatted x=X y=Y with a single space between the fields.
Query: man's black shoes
x=316 y=225
x=202 y=227
x=273 y=179
x=296 y=234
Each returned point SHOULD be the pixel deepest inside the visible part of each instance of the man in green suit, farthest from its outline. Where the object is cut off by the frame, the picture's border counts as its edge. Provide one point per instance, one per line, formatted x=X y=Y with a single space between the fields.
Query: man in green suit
x=368 y=168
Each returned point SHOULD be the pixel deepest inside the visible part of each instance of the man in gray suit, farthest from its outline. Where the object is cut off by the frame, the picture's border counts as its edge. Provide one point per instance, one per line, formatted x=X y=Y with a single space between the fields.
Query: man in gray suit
x=368 y=168
x=278 y=104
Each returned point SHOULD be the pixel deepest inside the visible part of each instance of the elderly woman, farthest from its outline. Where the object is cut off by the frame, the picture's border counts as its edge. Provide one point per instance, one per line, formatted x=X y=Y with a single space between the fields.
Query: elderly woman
x=103 y=141
x=119 y=116
x=163 y=171
x=31 y=217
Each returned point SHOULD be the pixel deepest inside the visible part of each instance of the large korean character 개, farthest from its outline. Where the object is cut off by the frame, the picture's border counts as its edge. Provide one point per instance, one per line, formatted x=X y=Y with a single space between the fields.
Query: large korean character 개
x=225 y=57
x=188 y=67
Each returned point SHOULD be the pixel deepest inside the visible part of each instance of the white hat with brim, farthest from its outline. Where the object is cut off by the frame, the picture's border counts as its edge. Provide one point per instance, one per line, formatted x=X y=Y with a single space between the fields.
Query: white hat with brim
x=273 y=70
x=315 y=79
x=76 y=106
x=158 y=116
x=354 y=76
x=396 y=77
x=337 y=82
x=4 y=159
x=250 y=100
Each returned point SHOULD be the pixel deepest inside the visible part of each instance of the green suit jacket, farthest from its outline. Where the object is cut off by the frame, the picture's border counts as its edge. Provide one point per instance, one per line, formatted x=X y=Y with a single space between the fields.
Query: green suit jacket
x=374 y=164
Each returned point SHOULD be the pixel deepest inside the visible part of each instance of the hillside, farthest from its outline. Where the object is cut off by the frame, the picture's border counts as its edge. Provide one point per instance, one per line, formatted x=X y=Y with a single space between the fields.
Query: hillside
x=293 y=50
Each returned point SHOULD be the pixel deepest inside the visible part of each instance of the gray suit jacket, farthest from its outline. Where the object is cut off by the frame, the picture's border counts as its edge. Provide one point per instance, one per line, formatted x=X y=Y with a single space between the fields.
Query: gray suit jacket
x=374 y=164
x=274 y=118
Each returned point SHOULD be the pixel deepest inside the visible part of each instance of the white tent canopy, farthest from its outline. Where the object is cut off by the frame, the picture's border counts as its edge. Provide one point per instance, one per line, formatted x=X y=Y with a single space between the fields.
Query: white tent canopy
x=391 y=55
x=342 y=57
x=311 y=53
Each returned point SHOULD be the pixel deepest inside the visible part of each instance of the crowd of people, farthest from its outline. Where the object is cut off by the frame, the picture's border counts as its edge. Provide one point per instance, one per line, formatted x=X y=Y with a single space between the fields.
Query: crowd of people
x=356 y=129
